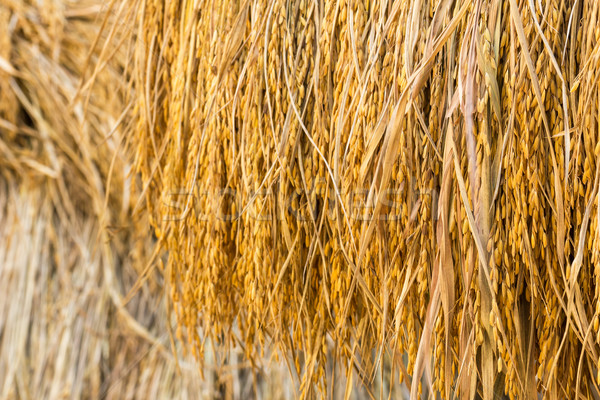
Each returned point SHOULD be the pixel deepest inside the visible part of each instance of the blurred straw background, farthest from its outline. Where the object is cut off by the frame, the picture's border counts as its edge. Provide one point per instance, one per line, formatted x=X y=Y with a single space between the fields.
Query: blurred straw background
x=69 y=250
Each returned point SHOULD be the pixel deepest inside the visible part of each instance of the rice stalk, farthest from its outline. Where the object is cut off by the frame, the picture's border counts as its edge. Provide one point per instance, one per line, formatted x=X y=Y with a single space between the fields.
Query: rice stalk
x=357 y=181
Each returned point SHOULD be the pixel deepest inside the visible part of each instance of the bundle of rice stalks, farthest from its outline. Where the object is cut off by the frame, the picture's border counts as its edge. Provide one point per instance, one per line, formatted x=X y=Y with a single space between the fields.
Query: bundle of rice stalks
x=365 y=180
x=69 y=251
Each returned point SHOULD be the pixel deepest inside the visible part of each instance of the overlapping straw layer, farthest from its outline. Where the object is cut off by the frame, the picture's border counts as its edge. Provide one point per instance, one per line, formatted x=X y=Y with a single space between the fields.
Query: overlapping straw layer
x=69 y=250
x=362 y=180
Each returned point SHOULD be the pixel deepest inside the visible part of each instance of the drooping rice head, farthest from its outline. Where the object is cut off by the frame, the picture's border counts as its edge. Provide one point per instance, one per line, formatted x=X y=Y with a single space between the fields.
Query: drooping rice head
x=346 y=179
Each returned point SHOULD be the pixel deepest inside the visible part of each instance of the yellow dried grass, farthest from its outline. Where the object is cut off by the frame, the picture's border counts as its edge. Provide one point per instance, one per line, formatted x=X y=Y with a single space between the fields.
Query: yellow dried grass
x=262 y=124
x=69 y=249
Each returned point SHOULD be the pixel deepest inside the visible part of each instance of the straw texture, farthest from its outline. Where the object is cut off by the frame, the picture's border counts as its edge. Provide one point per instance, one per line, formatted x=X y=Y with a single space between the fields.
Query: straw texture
x=367 y=180
x=69 y=249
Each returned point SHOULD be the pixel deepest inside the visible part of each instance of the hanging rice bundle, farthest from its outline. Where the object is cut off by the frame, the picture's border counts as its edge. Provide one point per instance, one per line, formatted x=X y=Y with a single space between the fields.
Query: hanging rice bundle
x=364 y=181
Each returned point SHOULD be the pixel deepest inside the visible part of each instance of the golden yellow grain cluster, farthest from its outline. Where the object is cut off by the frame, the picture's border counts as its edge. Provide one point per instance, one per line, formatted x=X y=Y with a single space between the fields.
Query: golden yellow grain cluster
x=360 y=180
